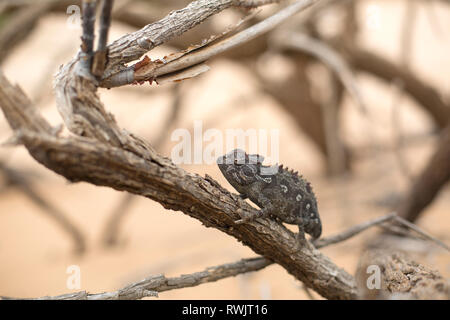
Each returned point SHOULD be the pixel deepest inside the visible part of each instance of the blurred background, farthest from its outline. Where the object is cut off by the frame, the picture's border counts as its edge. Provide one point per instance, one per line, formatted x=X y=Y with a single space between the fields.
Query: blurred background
x=359 y=91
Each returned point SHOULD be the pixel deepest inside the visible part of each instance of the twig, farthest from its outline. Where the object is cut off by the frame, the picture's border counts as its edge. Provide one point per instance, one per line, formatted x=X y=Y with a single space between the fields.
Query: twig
x=132 y=46
x=427 y=236
x=152 y=71
x=254 y=3
x=105 y=22
x=87 y=38
x=352 y=231
x=349 y=233
x=100 y=56
x=151 y=286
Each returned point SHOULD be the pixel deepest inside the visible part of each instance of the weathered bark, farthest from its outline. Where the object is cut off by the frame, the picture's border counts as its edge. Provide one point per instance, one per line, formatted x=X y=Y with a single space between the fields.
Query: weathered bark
x=127 y=163
x=401 y=278
x=103 y=154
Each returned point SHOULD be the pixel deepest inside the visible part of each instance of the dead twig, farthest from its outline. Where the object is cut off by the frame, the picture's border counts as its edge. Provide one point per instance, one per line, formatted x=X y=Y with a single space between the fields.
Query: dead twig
x=87 y=38
x=254 y=264
x=254 y=3
x=101 y=53
x=151 y=286
x=351 y=232
x=150 y=71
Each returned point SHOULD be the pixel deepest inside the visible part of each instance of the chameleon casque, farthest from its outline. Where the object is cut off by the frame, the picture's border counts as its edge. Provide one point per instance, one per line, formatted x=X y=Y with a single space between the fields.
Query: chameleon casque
x=279 y=193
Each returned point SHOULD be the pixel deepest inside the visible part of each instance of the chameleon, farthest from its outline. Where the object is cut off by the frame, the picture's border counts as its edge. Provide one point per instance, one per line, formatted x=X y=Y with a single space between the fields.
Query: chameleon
x=280 y=193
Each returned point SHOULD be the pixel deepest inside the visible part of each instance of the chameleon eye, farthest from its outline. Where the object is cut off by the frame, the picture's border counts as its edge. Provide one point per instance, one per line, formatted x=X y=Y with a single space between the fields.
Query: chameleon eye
x=248 y=171
x=236 y=162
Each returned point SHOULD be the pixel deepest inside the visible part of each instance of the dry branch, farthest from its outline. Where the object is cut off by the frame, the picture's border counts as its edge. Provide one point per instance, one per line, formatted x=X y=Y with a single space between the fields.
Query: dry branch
x=151 y=70
x=101 y=54
x=151 y=286
x=110 y=157
x=135 y=167
x=103 y=154
x=401 y=278
x=132 y=46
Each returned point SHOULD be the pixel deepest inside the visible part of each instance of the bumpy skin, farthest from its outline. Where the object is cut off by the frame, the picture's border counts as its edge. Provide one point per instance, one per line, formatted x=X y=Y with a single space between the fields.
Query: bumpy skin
x=278 y=192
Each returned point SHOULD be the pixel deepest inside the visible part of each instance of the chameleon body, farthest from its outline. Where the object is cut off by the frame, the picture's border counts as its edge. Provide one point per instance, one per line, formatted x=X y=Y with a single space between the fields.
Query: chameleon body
x=279 y=193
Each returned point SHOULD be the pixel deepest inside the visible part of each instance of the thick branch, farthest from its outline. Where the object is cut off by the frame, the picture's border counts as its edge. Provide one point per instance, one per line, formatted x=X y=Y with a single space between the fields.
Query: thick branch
x=140 y=170
x=401 y=278
x=103 y=154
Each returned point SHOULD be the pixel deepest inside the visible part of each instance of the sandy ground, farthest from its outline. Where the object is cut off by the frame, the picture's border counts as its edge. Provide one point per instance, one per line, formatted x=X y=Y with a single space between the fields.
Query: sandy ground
x=35 y=253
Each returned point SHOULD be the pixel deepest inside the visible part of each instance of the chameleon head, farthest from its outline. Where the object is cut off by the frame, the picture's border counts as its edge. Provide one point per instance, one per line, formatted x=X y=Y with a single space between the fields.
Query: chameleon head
x=239 y=168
